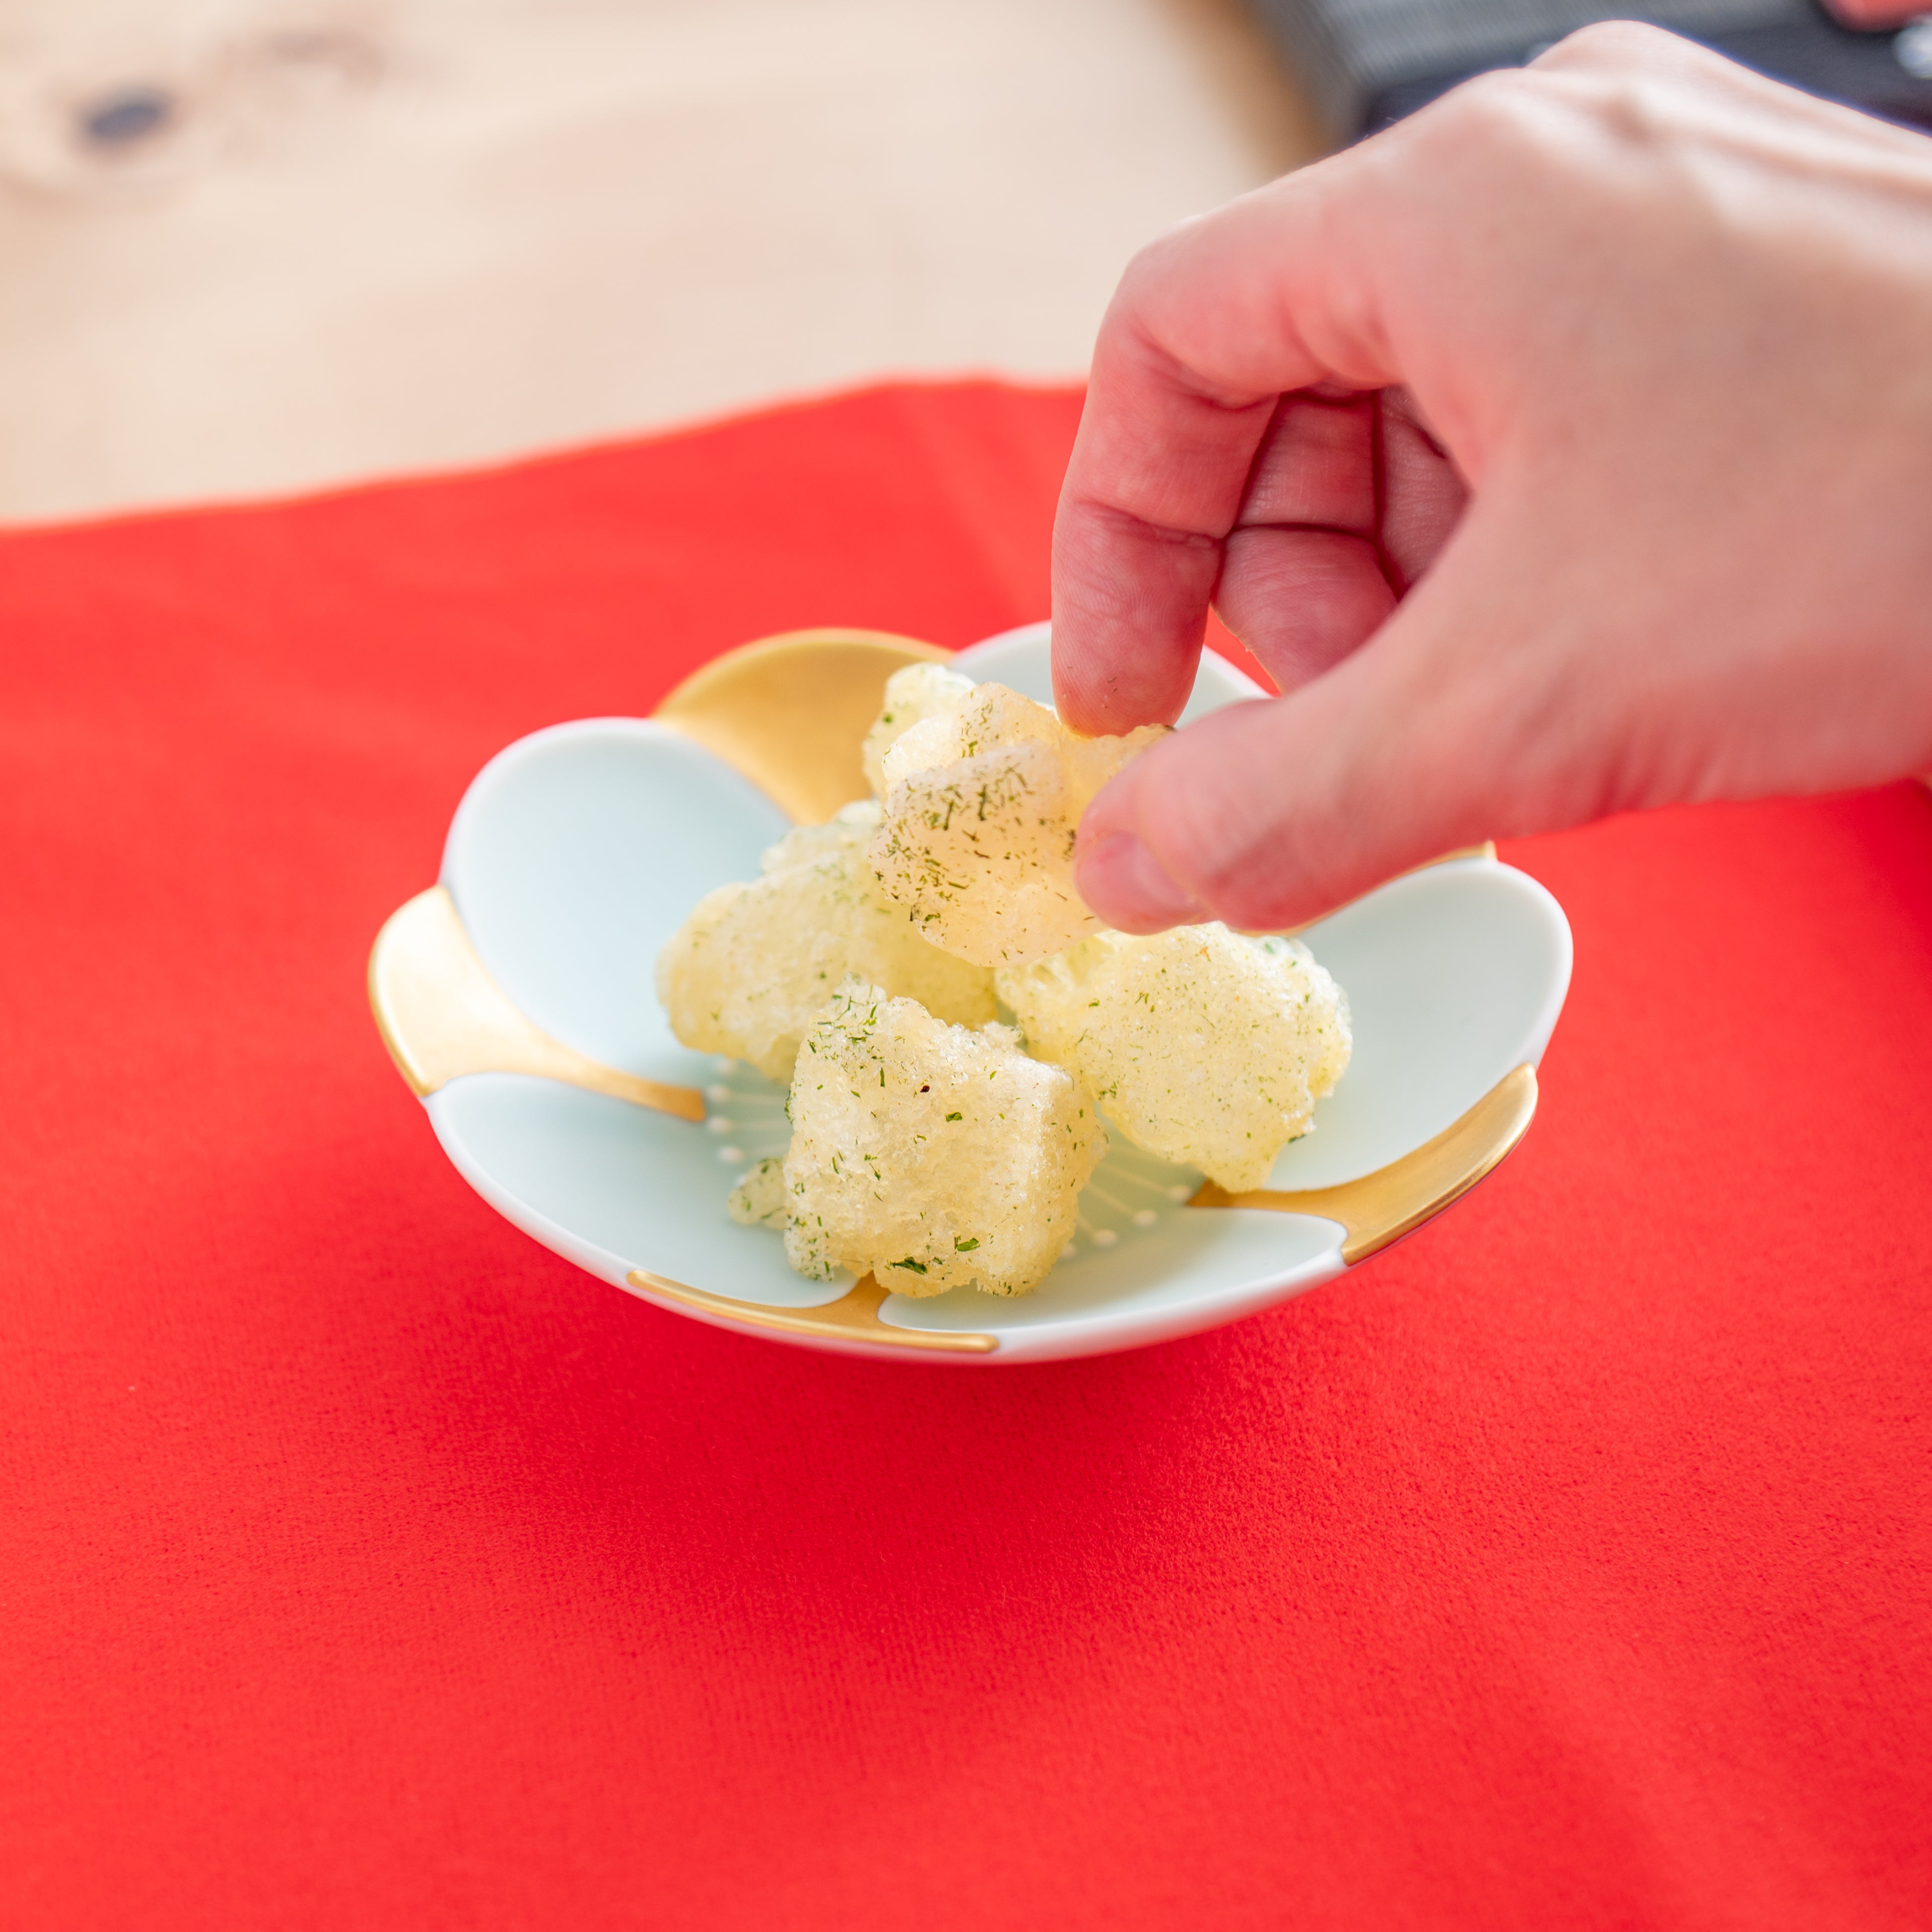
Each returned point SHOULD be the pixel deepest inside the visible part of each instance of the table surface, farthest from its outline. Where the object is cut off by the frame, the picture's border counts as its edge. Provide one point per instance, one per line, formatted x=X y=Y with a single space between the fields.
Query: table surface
x=364 y=1564
x=385 y=235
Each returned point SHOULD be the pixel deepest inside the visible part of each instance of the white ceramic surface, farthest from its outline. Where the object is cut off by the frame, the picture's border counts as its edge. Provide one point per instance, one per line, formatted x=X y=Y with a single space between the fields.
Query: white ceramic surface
x=578 y=851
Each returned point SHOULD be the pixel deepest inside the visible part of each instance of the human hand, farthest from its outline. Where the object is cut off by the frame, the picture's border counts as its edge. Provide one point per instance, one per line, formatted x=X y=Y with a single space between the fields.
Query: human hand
x=1566 y=449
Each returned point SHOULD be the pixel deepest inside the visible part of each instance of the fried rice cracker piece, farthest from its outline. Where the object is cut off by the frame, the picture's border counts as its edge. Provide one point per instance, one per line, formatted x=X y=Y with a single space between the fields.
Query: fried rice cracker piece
x=748 y=971
x=932 y=1156
x=981 y=804
x=914 y=695
x=1203 y=1045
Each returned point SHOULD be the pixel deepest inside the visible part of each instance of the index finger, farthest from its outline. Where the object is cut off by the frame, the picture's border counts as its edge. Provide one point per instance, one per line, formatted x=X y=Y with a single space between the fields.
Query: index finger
x=1211 y=325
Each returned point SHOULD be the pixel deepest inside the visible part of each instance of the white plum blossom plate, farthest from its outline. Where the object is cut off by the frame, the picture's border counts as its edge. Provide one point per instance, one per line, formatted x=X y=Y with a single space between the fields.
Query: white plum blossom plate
x=517 y=998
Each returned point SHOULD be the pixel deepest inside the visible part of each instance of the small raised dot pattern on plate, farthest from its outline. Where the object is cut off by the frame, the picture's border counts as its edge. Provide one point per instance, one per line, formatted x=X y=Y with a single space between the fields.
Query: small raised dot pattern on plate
x=732 y=1156
x=718 y=1124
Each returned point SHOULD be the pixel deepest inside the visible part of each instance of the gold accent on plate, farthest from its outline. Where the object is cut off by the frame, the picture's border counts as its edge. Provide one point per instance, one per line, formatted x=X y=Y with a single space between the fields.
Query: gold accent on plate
x=853 y=1317
x=441 y=1014
x=791 y=713
x=1394 y=1200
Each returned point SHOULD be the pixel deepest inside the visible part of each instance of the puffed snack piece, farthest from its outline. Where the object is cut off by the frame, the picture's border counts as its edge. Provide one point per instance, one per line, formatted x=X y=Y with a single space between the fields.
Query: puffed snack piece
x=981 y=804
x=746 y=972
x=933 y=1156
x=914 y=695
x=1205 y=1046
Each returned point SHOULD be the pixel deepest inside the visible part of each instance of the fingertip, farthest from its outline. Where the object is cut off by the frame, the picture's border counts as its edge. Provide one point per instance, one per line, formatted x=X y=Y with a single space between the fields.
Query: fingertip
x=1130 y=608
x=1112 y=706
x=1086 y=702
x=1123 y=883
x=1216 y=823
x=1106 y=692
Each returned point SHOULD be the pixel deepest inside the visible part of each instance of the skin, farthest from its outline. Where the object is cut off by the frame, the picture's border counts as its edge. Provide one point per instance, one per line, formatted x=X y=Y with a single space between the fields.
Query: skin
x=1870 y=13
x=1565 y=450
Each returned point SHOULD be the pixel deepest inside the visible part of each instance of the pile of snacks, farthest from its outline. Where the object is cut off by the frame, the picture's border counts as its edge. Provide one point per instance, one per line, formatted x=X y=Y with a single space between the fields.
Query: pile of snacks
x=753 y=966
x=933 y=1146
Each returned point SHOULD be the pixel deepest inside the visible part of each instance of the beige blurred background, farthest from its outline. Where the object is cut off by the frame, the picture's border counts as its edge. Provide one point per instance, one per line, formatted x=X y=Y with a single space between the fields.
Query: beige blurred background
x=250 y=247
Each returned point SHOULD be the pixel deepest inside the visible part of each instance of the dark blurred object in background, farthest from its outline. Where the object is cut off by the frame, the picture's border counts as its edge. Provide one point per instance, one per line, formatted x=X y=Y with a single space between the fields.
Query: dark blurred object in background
x=1365 y=63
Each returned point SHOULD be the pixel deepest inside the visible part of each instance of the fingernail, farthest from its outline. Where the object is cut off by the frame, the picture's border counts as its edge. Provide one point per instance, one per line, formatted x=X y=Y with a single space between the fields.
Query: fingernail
x=1128 y=886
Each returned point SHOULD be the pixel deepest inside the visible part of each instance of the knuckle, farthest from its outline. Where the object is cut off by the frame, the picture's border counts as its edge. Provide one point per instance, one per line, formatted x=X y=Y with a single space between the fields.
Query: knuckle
x=1606 y=84
x=1492 y=114
x=1611 y=44
x=1153 y=266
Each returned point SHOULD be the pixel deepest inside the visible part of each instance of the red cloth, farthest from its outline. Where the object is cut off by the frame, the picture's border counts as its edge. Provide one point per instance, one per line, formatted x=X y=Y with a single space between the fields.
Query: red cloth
x=361 y=1564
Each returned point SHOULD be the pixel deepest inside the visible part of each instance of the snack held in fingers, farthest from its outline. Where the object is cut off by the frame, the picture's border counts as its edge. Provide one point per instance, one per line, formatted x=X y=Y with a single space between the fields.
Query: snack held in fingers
x=1205 y=1046
x=754 y=964
x=914 y=695
x=934 y=1157
x=982 y=805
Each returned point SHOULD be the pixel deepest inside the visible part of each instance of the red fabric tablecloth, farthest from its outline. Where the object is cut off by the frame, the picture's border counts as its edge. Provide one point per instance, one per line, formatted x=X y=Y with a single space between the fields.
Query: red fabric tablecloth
x=363 y=1565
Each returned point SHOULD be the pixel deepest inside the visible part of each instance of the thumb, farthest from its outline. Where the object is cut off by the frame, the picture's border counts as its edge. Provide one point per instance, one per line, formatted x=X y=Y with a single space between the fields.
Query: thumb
x=1444 y=730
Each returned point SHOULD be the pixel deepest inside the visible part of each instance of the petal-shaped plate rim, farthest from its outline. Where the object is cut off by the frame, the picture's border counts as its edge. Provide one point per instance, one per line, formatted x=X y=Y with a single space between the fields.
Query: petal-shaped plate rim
x=860 y=1324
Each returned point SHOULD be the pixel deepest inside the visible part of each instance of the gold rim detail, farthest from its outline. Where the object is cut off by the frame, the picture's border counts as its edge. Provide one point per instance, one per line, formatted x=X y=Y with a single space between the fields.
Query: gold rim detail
x=441 y=1015
x=1394 y=1200
x=853 y=1317
x=791 y=713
